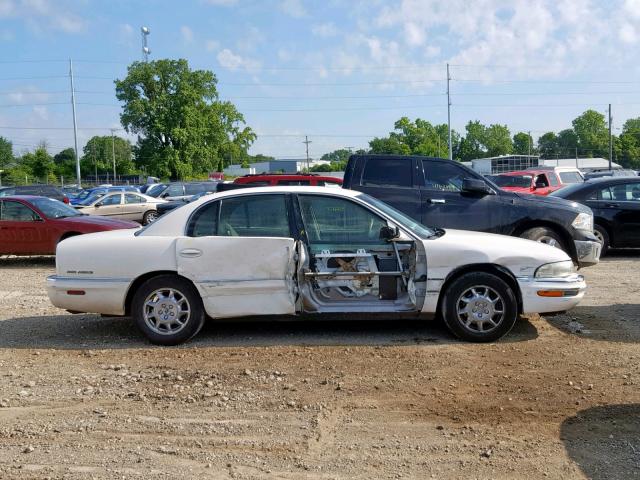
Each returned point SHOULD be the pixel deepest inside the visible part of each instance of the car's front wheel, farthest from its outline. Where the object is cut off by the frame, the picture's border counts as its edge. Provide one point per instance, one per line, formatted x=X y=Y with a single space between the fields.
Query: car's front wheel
x=479 y=307
x=603 y=237
x=544 y=235
x=168 y=310
x=149 y=217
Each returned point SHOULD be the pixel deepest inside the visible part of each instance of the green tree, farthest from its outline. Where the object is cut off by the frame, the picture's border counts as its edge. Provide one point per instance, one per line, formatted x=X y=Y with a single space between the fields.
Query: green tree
x=497 y=140
x=99 y=152
x=182 y=126
x=6 y=154
x=627 y=146
x=419 y=138
x=65 y=164
x=39 y=163
x=472 y=144
x=592 y=133
x=548 y=145
x=567 y=143
x=523 y=144
x=340 y=155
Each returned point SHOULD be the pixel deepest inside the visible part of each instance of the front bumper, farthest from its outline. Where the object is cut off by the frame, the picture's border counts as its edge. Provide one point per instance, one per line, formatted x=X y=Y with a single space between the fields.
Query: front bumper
x=572 y=288
x=587 y=252
x=100 y=295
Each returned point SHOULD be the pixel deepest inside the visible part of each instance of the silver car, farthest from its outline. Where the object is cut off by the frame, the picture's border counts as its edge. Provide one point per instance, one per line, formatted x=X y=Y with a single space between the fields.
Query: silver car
x=125 y=205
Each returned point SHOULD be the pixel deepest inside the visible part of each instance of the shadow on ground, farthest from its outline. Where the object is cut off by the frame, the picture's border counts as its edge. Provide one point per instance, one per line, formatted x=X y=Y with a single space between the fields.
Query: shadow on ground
x=91 y=331
x=609 y=323
x=605 y=441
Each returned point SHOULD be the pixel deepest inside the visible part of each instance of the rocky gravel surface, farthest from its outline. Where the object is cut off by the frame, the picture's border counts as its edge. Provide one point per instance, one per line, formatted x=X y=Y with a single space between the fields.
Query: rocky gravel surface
x=87 y=397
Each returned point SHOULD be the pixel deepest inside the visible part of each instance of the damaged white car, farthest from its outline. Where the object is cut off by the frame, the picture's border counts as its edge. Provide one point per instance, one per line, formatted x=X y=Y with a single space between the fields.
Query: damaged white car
x=291 y=250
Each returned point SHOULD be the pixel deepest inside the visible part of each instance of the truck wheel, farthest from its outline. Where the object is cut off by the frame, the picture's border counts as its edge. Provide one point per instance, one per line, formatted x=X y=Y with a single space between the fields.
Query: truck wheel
x=603 y=237
x=479 y=307
x=168 y=310
x=149 y=217
x=544 y=235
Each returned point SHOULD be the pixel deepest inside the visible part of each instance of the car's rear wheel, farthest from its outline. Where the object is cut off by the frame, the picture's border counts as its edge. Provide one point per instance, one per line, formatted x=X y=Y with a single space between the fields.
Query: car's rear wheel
x=603 y=237
x=479 y=307
x=168 y=310
x=149 y=217
x=544 y=235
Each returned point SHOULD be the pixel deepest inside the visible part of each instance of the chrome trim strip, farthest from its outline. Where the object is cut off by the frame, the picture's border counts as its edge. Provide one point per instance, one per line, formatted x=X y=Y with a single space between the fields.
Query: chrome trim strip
x=55 y=278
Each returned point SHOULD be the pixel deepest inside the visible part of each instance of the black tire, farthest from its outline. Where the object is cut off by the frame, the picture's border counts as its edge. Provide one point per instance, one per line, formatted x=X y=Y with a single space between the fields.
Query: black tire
x=545 y=235
x=149 y=217
x=183 y=331
x=482 y=282
x=603 y=236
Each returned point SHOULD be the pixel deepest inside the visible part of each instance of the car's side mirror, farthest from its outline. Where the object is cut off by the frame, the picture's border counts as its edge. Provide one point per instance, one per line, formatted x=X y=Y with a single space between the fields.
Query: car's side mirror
x=475 y=185
x=389 y=233
x=97 y=205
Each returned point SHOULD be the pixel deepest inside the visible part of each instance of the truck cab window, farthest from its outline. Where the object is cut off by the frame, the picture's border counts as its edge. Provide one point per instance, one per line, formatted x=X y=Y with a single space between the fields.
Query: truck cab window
x=388 y=172
x=443 y=176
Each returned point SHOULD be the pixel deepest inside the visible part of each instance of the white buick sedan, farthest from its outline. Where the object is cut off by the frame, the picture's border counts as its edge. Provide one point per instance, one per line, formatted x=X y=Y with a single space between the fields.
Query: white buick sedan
x=283 y=251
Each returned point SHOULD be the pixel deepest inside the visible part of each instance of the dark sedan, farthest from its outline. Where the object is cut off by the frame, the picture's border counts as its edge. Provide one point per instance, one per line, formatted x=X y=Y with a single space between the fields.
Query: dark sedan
x=615 y=202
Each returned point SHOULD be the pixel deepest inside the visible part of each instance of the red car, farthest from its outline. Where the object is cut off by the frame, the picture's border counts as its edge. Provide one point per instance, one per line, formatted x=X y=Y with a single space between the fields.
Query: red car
x=282 y=179
x=32 y=225
x=537 y=182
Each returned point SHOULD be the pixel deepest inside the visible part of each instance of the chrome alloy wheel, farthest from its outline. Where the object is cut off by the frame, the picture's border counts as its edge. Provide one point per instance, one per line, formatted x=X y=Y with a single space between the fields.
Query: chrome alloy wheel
x=599 y=236
x=151 y=217
x=166 y=311
x=480 y=309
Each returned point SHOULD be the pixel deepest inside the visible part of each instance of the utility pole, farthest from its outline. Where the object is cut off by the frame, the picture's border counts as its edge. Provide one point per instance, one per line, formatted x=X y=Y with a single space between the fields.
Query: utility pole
x=529 y=140
x=576 y=157
x=113 y=153
x=610 y=139
x=307 y=142
x=75 y=123
x=449 y=112
x=145 y=48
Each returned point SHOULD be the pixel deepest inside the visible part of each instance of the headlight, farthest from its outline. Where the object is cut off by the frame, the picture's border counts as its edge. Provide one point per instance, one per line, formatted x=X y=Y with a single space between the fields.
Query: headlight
x=584 y=221
x=555 y=270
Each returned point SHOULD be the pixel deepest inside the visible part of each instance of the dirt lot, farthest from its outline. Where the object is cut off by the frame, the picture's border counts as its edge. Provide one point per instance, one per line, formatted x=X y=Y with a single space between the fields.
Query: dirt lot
x=86 y=397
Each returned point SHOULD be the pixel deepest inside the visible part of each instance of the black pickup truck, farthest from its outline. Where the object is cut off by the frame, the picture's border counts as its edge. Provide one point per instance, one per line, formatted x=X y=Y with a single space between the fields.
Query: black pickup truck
x=443 y=193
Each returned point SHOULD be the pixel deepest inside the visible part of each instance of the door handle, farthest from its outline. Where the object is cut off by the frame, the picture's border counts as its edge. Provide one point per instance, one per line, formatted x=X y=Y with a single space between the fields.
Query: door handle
x=611 y=205
x=190 y=253
x=437 y=200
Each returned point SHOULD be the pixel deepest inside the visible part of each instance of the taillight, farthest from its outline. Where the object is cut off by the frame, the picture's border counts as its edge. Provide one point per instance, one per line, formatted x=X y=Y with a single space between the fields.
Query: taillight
x=66 y=200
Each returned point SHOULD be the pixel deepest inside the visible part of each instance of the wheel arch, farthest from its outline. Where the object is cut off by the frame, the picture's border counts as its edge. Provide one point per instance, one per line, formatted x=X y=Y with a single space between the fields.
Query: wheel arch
x=497 y=270
x=559 y=229
x=66 y=235
x=135 y=284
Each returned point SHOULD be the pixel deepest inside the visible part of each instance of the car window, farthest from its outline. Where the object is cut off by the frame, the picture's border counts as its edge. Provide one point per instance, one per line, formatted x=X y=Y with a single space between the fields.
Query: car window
x=605 y=194
x=111 y=200
x=204 y=222
x=553 y=179
x=626 y=192
x=293 y=182
x=52 y=208
x=133 y=198
x=339 y=220
x=259 y=183
x=7 y=191
x=174 y=191
x=443 y=176
x=570 y=177
x=195 y=188
x=16 y=212
x=254 y=216
x=388 y=172
x=541 y=181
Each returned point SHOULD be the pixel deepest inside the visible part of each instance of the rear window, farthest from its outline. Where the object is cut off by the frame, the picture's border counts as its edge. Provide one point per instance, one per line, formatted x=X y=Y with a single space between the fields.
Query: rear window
x=388 y=172
x=293 y=182
x=195 y=188
x=521 y=181
x=571 y=177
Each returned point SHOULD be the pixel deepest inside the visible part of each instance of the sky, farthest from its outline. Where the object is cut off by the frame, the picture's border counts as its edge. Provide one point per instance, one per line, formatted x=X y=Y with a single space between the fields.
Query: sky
x=339 y=71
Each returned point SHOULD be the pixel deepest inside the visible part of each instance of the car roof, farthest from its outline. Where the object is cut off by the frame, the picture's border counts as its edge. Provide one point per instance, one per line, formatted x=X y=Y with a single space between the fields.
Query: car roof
x=597 y=180
x=522 y=172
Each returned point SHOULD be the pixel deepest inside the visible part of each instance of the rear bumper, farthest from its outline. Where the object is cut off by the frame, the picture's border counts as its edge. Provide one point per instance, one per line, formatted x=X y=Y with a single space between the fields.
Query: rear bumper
x=572 y=289
x=99 y=295
x=587 y=252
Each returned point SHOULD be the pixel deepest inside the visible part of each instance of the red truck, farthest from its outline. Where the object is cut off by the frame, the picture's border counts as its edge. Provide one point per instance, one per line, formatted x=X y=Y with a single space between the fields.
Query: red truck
x=283 y=179
x=538 y=181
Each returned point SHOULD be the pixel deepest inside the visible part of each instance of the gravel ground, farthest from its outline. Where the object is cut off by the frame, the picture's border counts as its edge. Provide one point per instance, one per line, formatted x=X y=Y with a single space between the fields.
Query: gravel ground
x=87 y=397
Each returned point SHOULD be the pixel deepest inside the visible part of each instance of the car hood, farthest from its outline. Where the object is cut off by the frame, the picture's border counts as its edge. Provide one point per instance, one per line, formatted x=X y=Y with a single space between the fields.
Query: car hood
x=546 y=200
x=461 y=247
x=516 y=189
x=98 y=221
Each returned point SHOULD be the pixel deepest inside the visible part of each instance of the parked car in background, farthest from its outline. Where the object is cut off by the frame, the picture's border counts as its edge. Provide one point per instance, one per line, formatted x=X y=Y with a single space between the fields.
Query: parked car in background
x=619 y=172
x=565 y=175
x=166 y=207
x=615 y=202
x=90 y=193
x=285 y=179
x=31 y=225
x=292 y=250
x=49 y=191
x=535 y=182
x=125 y=205
x=182 y=190
x=447 y=194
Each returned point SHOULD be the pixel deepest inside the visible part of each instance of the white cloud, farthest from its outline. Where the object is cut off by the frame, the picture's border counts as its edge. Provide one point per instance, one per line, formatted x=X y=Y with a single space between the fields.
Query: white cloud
x=324 y=30
x=41 y=14
x=28 y=94
x=211 y=45
x=231 y=61
x=41 y=112
x=293 y=8
x=187 y=34
x=6 y=8
x=628 y=33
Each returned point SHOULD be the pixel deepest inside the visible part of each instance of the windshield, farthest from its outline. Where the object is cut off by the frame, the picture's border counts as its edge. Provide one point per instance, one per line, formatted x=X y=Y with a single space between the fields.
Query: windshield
x=521 y=181
x=54 y=208
x=566 y=192
x=399 y=217
x=155 y=190
x=89 y=200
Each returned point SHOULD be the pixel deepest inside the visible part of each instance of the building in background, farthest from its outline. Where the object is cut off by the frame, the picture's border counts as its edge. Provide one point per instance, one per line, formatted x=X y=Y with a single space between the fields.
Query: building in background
x=503 y=163
x=584 y=164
